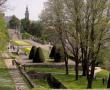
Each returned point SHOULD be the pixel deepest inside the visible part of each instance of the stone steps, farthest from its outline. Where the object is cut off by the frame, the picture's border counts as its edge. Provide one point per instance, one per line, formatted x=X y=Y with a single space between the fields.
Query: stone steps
x=16 y=76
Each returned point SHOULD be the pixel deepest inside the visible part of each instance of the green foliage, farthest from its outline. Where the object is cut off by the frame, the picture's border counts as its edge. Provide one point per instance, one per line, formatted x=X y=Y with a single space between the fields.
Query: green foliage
x=25 y=25
x=70 y=83
x=39 y=57
x=6 y=82
x=14 y=22
x=103 y=56
x=102 y=74
x=26 y=35
x=32 y=52
x=36 y=29
x=4 y=38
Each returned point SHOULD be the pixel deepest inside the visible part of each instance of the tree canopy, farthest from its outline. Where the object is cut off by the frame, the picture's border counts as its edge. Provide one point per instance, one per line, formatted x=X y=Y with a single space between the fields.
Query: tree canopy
x=14 y=22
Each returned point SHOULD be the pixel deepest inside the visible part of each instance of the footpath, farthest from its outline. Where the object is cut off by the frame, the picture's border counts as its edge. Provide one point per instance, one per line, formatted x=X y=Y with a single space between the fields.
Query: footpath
x=15 y=74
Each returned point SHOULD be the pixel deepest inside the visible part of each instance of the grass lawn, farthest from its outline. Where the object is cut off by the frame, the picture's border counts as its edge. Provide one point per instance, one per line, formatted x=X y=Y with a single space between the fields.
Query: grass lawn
x=70 y=83
x=41 y=88
x=102 y=74
x=46 y=70
x=6 y=82
x=68 y=80
x=21 y=43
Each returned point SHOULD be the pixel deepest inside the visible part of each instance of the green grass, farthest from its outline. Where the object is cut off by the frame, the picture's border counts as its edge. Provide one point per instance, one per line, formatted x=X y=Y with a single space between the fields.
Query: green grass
x=6 y=82
x=102 y=74
x=69 y=80
x=46 y=70
x=21 y=43
x=41 y=88
x=70 y=83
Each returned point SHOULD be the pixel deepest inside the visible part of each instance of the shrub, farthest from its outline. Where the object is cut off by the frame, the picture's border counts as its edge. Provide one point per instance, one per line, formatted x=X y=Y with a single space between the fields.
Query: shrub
x=39 y=57
x=53 y=51
x=32 y=52
x=26 y=35
x=59 y=55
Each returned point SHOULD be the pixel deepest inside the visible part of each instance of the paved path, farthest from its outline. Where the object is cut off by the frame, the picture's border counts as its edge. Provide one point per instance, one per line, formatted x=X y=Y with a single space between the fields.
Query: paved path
x=16 y=76
x=44 y=46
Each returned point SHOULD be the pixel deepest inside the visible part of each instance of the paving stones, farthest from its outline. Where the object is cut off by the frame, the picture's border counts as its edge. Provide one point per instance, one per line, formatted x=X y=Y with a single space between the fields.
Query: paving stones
x=16 y=76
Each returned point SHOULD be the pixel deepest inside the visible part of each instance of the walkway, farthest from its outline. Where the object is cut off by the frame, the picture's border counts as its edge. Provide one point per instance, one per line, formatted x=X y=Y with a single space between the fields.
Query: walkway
x=45 y=46
x=16 y=76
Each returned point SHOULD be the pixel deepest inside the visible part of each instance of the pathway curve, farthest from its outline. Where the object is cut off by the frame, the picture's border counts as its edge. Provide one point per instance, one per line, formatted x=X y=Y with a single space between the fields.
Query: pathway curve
x=16 y=76
x=44 y=46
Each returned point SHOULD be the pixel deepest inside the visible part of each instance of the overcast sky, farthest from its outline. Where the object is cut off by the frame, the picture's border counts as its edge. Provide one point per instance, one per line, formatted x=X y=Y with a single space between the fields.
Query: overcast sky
x=18 y=7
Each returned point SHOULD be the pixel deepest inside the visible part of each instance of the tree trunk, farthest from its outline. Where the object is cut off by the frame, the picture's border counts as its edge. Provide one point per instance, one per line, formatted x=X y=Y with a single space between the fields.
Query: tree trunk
x=84 y=68
x=90 y=80
x=90 y=75
x=108 y=83
x=76 y=69
x=66 y=66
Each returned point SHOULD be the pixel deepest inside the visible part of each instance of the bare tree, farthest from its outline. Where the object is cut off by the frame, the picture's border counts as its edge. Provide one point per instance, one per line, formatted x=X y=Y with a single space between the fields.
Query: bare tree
x=84 y=24
x=57 y=24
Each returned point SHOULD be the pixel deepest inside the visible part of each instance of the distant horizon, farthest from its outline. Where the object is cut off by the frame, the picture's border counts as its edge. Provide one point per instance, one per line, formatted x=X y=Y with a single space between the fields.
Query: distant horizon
x=18 y=8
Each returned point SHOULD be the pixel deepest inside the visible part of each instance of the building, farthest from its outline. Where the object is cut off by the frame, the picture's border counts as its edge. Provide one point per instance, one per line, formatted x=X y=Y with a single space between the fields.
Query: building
x=27 y=13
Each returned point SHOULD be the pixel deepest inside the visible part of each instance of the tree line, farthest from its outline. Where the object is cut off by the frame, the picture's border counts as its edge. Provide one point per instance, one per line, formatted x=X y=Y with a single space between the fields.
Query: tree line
x=82 y=28
x=34 y=28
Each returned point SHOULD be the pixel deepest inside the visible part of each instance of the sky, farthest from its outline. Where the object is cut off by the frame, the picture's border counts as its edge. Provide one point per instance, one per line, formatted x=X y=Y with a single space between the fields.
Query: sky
x=18 y=7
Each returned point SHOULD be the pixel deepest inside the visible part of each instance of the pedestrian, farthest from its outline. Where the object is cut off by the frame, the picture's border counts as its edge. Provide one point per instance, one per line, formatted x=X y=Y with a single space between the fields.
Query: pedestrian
x=103 y=81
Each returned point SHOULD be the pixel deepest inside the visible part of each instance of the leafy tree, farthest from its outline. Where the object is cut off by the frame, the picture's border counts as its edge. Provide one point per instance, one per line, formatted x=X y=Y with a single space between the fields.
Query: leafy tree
x=14 y=22
x=25 y=25
x=36 y=28
x=82 y=26
x=53 y=19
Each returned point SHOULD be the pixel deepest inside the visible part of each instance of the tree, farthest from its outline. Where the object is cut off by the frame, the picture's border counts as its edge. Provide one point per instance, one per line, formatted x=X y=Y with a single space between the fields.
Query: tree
x=55 y=22
x=38 y=57
x=14 y=22
x=59 y=55
x=4 y=38
x=2 y=2
x=53 y=51
x=36 y=28
x=25 y=25
x=82 y=27
x=32 y=52
x=108 y=83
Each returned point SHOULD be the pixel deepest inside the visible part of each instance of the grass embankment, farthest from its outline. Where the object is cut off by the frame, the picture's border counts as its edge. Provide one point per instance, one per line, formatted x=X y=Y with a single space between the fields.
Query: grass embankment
x=6 y=82
x=21 y=43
